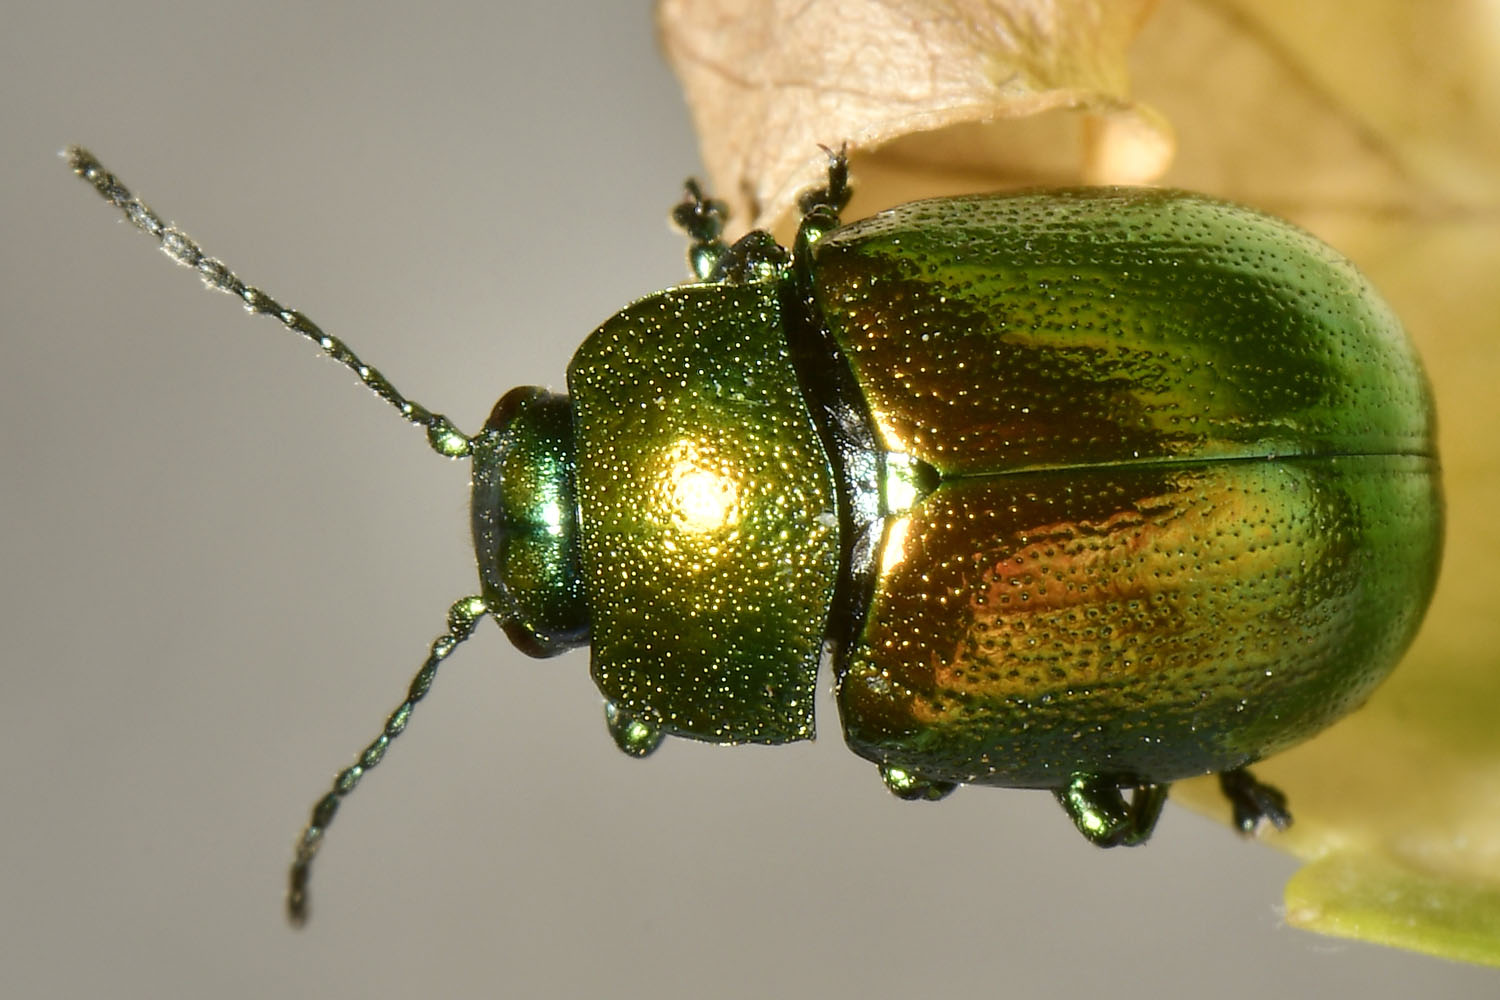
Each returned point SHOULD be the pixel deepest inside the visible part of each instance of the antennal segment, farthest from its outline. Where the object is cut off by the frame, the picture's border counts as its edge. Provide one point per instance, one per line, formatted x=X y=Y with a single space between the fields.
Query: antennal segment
x=444 y=438
x=462 y=617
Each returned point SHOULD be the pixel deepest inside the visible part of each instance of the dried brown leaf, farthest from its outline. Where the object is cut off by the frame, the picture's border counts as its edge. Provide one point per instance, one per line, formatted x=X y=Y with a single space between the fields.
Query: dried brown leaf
x=940 y=97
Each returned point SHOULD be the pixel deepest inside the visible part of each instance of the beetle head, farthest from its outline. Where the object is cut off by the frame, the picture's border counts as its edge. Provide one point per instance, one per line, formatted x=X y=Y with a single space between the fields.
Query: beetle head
x=525 y=520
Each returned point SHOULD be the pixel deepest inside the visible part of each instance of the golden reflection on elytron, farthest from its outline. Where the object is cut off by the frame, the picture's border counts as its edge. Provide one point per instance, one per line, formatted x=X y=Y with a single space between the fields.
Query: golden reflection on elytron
x=891 y=439
x=901 y=485
x=1217 y=611
x=697 y=494
x=894 y=550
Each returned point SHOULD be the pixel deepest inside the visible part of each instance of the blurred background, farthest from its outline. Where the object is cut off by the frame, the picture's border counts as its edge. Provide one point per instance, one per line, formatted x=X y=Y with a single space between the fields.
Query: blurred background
x=224 y=560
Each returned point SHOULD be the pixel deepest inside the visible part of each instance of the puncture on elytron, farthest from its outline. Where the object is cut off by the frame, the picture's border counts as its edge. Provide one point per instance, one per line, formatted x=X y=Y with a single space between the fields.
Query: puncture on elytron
x=1087 y=490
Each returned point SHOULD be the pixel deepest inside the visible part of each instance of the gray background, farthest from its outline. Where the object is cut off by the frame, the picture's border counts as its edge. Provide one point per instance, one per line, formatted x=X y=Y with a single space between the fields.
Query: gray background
x=223 y=560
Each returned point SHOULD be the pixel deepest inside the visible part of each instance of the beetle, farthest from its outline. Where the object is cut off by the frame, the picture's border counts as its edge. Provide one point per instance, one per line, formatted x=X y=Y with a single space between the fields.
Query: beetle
x=1086 y=490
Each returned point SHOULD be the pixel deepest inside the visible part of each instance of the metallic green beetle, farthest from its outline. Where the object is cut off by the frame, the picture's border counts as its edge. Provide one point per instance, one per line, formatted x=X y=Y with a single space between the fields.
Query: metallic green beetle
x=1084 y=490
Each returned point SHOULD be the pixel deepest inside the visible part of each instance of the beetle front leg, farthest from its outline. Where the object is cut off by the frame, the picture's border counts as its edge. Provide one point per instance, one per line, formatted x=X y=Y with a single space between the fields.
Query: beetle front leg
x=1254 y=802
x=634 y=734
x=1099 y=810
x=908 y=785
x=702 y=218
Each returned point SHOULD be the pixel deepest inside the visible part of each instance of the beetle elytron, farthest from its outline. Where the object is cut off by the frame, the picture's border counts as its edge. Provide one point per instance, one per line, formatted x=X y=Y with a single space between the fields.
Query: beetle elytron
x=1084 y=490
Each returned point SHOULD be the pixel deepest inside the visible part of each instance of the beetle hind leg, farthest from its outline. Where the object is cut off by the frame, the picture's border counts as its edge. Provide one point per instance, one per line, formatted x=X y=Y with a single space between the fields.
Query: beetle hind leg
x=1099 y=809
x=1254 y=801
x=835 y=195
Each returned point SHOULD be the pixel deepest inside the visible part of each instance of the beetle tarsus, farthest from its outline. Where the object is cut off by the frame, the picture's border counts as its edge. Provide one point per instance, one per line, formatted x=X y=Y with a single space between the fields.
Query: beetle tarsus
x=834 y=196
x=1255 y=803
x=1099 y=809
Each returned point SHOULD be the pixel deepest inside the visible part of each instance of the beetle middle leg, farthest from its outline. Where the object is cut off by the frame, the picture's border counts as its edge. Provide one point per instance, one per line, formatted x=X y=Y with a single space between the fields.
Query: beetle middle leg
x=1254 y=801
x=834 y=196
x=821 y=206
x=1101 y=813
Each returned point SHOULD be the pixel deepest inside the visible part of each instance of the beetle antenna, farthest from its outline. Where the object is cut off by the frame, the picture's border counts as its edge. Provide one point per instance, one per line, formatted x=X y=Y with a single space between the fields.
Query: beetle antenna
x=462 y=617
x=444 y=438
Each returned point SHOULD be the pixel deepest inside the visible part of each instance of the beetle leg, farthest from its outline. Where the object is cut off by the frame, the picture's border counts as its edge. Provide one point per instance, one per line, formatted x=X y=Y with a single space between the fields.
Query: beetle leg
x=1254 y=801
x=702 y=218
x=821 y=206
x=756 y=256
x=910 y=786
x=1146 y=801
x=835 y=195
x=1099 y=810
x=633 y=733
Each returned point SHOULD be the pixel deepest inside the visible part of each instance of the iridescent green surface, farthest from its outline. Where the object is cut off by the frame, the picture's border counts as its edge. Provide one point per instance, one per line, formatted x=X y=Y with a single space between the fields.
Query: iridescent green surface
x=1189 y=510
x=1150 y=621
x=523 y=513
x=709 y=536
x=1086 y=490
x=1114 y=325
